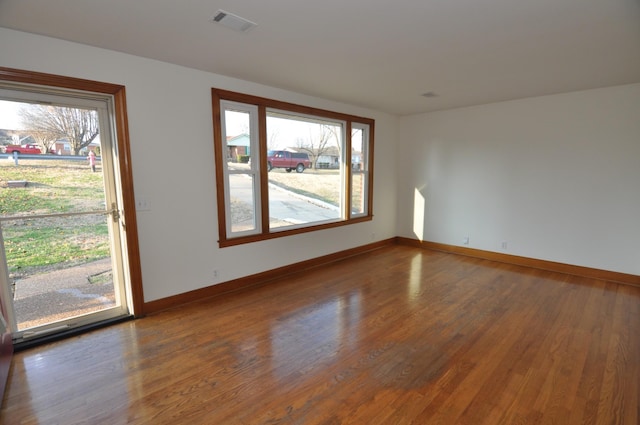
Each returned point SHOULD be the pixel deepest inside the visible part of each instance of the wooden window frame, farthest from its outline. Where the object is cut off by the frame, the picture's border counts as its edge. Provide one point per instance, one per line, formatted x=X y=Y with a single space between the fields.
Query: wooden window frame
x=225 y=240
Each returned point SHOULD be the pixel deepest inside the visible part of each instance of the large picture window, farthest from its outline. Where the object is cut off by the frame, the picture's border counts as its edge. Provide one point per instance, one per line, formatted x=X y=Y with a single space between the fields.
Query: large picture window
x=283 y=169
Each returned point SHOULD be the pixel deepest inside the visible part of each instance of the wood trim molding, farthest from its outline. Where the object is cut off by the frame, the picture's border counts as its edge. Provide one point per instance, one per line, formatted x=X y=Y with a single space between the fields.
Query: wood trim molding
x=124 y=158
x=588 y=272
x=128 y=201
x=52 y=80
x=258 y=279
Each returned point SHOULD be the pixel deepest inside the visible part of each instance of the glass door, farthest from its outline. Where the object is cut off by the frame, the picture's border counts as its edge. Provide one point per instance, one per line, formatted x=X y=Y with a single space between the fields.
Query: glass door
x=60 y=215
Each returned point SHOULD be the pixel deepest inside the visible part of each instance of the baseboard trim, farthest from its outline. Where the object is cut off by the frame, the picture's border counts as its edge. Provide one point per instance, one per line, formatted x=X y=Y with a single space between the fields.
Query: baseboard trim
x=258 y=279
x=269 y=275
x=588 y=272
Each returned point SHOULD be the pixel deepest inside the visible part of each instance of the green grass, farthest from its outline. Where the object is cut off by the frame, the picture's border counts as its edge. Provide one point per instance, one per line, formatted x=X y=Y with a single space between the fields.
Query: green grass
x=21 y=200
x=29 y=246
x=53 y=186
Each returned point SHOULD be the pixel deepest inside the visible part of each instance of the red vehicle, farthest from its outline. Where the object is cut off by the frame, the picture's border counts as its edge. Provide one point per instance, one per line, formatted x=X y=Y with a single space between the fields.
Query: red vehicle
x=288 y=160
x=28 y=149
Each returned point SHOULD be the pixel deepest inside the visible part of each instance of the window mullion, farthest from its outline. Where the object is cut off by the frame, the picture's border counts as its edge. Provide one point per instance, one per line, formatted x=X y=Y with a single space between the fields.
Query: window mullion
x=262 y=169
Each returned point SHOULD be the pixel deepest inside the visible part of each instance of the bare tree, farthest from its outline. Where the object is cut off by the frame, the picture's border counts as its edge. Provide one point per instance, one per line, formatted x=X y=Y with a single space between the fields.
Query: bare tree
x=44 y=139
x=272 y=138
x=37 y=121
x=49 y=123
x=319 y=142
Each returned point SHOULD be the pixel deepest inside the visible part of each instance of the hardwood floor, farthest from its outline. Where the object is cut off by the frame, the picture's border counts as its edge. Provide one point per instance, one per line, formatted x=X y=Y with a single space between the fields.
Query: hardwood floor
x=399 y=335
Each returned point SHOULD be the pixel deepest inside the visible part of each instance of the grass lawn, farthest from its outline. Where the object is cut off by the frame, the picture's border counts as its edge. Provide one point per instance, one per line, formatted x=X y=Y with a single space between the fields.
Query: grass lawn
x=319 y=184
x=53 y=186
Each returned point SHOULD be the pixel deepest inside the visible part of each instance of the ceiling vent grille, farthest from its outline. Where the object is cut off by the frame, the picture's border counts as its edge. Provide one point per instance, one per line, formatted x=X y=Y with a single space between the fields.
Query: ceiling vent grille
x=232 y=21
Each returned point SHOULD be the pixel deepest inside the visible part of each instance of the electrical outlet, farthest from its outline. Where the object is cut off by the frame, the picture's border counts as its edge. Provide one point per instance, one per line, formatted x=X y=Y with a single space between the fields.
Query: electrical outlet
x=504 y=245
x=465 y=240
x=142 y=205
x=215 y=274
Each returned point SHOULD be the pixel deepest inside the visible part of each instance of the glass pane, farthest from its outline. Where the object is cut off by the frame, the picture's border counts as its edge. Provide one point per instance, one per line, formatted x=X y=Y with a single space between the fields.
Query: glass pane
x=59 y=267
x=357 y=149
x=304 y=158
x=358 y=172
x=242 y=202
x=358 y=194
x=237 y=134
x=56 y=233
x=65 y=178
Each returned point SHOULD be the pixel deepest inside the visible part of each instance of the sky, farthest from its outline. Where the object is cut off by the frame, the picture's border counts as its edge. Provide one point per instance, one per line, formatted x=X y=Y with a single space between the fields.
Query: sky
x=9 y=119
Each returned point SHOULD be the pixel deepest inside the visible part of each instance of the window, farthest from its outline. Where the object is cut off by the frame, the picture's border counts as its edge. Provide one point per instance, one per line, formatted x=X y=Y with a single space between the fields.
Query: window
x=284 y=169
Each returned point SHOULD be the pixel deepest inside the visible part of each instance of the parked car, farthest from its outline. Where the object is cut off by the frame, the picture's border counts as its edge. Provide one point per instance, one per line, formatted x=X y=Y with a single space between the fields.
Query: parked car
x=288 y=160
x=28 y=149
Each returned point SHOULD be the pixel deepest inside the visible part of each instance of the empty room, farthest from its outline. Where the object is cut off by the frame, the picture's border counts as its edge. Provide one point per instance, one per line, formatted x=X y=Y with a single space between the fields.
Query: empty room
x=292 y=212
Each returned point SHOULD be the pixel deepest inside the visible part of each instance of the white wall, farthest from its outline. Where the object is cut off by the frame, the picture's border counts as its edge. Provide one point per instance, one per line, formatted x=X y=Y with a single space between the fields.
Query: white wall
x=169 y=112
x=557 y=177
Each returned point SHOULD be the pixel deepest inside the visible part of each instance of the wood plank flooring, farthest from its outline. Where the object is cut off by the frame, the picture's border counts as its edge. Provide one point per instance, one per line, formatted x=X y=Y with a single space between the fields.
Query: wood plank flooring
x=399 y=335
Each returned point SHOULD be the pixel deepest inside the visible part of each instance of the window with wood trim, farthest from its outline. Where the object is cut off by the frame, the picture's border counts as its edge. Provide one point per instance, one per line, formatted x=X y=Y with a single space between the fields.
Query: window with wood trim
x=284 y=169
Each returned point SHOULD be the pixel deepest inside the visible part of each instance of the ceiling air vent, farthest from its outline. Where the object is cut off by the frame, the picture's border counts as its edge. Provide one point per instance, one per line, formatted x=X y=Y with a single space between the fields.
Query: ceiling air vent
x=232 y=21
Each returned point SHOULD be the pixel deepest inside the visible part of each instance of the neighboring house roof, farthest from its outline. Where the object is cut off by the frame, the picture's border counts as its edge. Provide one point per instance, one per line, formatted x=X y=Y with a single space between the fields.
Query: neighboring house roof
x=239 y=140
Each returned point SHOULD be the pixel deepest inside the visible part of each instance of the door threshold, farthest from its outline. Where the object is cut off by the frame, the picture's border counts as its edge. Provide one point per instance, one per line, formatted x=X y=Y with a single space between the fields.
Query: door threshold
x=70 y=332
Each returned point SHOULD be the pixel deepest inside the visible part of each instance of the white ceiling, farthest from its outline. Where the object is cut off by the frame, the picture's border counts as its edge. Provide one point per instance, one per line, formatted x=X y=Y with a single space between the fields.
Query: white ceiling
x=374 y=53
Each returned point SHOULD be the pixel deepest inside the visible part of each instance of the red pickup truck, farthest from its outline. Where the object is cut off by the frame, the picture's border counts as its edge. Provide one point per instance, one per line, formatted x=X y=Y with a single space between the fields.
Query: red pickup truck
x=28 y=149
x=288 y=160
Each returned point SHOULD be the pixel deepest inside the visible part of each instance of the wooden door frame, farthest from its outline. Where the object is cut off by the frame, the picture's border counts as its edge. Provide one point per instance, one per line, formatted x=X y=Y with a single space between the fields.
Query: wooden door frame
x=124 y=161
